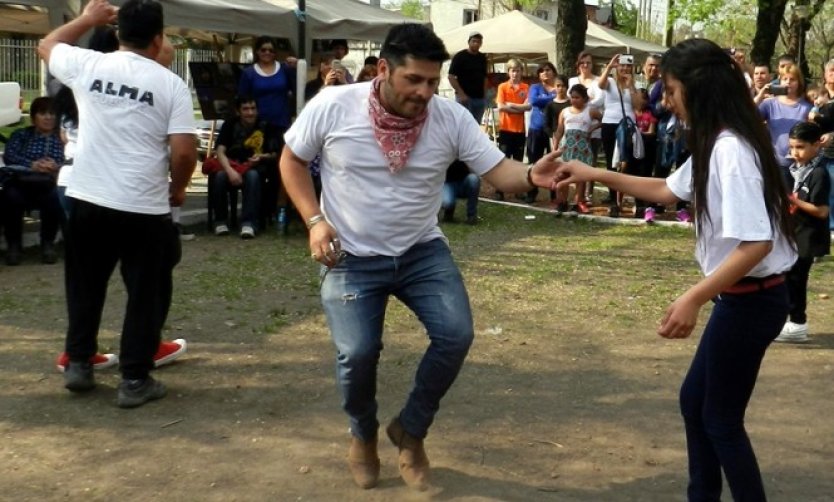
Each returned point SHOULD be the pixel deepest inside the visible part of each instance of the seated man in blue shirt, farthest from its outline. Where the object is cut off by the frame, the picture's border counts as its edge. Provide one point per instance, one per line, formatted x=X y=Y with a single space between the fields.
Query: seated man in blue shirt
x=461 y=184
x=33 y=155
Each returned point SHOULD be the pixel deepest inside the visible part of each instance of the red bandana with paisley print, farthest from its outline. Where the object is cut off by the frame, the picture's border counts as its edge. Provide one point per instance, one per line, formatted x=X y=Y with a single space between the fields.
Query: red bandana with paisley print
x=395 y=135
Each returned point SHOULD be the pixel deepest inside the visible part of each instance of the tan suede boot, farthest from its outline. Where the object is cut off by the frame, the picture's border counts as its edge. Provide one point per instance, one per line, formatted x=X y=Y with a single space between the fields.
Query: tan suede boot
x=413 y=462
x=363 y=461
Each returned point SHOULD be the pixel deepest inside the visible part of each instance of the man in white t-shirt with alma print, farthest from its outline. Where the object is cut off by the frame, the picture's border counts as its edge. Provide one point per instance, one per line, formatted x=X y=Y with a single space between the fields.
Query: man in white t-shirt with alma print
x=137 y=126
x=385 y=146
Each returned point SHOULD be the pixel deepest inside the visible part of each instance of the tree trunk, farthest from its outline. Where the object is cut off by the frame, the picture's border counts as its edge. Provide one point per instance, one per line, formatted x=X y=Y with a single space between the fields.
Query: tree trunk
x=571 y=25
x=768 y=24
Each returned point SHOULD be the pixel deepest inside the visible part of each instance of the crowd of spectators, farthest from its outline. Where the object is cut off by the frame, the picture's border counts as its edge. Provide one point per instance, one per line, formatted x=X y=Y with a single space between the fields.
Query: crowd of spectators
x=581 y=114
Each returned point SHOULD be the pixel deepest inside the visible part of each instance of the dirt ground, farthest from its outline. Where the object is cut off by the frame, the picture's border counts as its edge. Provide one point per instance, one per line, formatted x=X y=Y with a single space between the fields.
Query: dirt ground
x=567 y=395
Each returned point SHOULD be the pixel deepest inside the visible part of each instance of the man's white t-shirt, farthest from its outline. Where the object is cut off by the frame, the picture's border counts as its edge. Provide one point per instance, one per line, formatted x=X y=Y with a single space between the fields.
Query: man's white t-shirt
x=736 y=206
x=127 y=106
x=374 y=211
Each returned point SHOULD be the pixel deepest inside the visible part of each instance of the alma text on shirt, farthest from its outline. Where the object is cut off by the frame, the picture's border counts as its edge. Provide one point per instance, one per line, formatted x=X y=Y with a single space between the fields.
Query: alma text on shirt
x=124 y=91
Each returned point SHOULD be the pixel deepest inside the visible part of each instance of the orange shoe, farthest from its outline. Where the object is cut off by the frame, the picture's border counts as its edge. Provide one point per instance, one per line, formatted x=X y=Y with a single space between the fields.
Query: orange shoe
x=169 y=352
x=99 y=361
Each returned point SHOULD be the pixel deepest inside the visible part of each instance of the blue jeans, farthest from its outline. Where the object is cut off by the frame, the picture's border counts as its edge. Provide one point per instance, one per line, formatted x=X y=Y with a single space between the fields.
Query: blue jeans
x=355 y=294
x=467 y=188
x=830 y=166
x=717 y=388
x=476 y=107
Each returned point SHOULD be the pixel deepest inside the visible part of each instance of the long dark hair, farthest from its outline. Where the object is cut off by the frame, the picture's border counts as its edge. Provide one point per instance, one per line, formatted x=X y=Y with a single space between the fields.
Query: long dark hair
x=717 y=98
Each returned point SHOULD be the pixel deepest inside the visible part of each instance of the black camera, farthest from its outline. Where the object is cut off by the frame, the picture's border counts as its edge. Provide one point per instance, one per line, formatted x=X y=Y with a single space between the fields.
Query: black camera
x=779 y=90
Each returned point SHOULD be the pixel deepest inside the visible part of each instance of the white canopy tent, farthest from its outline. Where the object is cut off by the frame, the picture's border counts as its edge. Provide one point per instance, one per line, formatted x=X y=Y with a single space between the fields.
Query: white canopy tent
x=621 y=41
x=523 y=35
x=36 y=17
x=325 y=19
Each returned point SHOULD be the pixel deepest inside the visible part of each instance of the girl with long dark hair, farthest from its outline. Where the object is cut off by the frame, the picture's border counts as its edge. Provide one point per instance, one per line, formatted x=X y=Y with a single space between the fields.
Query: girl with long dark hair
x=744 y=247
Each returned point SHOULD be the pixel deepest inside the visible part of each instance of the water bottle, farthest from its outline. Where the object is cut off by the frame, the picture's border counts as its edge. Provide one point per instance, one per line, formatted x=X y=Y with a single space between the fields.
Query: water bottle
x=281 y=221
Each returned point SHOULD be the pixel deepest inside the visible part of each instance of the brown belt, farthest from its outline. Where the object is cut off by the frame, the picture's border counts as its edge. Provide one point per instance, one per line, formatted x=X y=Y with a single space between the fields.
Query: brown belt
x=753 y=284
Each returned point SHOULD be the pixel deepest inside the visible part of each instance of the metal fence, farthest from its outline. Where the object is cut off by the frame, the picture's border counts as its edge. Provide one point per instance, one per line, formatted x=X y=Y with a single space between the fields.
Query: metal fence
x=19 y=63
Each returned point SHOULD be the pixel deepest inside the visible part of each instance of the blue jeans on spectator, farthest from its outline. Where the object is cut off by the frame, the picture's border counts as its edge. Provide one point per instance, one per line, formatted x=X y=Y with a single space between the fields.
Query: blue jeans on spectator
x=251 y=197
x=830 y=166
x=476 y=107
x=355 y=294
x=717 y=388
x=467 y=188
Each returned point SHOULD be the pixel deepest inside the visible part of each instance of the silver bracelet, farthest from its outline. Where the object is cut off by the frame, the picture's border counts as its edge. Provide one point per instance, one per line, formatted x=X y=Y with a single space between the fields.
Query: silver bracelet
x=313 y=220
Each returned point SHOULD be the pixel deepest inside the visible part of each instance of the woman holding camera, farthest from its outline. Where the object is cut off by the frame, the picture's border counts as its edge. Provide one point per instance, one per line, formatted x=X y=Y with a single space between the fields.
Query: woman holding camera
x=621 y=99
x=785 y=109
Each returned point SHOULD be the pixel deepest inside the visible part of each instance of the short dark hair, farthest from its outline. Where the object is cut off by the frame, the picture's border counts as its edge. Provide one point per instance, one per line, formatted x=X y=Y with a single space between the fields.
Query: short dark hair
x=546 y=65
x=787 y=57
x=806 y=131
x=415 y=40
x=242 y=99
x=140 y=21
x=43 y=104
x=338 y=42
x=371 y=60
x=562 y=78
x=263 y=40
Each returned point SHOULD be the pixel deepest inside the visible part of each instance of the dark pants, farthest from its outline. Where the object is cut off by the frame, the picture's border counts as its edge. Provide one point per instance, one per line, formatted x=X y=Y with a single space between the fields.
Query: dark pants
x=512 y=144
x=609 y=140
x=717 y=388
x=251 y=189
x=19 y=196
x=798 y=289
x=645 y=166
x=147 y=248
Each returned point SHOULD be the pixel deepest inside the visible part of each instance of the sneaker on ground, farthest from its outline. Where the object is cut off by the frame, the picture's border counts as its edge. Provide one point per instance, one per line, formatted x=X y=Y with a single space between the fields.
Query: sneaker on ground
x=793 y=333
x=683 y=216
x=247 y=232
x=185 y=235
x=134 y=393
x=169 y=352
x=99 y=361
x=648 y=215
x=221 y=229
x=79 y=377
x=582 y=207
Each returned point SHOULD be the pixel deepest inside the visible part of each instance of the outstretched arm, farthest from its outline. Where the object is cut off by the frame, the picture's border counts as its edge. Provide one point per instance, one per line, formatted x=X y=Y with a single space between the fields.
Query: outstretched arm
x=651 y=189
x=513 y=176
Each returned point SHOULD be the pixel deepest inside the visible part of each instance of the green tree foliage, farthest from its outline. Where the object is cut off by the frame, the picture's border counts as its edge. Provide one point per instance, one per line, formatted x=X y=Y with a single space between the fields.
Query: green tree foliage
x=626 y=15
x=413 y=9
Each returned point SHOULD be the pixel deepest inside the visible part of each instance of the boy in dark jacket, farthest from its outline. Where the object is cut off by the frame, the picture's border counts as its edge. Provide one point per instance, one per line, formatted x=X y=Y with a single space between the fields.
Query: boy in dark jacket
x=810 y=186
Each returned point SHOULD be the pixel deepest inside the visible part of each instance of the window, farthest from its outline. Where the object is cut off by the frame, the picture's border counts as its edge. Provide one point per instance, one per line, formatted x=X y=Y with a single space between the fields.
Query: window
x=542 y=14
x=470 y=16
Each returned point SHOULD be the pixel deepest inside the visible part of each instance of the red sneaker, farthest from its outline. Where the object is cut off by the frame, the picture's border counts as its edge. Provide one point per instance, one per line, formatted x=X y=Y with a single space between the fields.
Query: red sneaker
x=99 y=361
x=582 y=207
x=169 y=352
